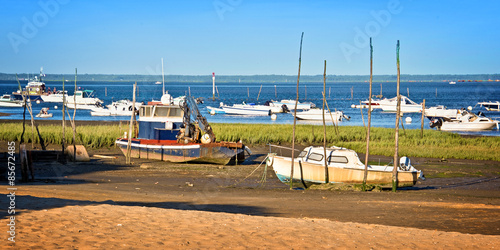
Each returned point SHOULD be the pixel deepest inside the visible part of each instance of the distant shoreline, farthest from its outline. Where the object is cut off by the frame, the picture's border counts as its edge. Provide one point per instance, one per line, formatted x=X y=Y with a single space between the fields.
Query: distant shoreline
x=258 y=78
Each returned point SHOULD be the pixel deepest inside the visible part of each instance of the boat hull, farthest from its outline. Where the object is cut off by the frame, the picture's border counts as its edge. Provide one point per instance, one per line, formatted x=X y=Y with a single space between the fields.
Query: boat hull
x=471 y=126
x=315 y=173
x=32 y=97
x=317 y=115
x=222 y=153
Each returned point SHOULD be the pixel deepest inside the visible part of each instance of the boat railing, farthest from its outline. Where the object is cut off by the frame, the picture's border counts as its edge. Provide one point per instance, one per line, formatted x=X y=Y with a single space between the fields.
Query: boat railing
x=283 y=151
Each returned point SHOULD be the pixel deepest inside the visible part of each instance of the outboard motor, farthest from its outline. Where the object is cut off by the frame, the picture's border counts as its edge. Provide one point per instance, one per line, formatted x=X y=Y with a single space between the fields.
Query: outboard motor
x=285 y=108
x=436 y=123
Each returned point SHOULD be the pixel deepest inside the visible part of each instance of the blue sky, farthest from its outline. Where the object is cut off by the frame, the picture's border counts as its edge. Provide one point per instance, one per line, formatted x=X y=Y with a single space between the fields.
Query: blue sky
x=243 y=37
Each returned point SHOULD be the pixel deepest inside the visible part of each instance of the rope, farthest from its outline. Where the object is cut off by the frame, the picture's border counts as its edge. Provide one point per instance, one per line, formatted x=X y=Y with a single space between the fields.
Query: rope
x=263 y=178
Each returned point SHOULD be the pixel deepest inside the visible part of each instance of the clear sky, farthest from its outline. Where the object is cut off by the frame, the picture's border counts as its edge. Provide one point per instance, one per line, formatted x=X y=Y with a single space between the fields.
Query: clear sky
x=249 y=37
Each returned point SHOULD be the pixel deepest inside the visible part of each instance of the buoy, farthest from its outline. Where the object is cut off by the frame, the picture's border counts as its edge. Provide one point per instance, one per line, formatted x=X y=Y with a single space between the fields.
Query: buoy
x=408 y=120
x=274 y=117
x=212 y=112
x=37 y=101
x=353 y=106
x=469 y=108
x=55 y=107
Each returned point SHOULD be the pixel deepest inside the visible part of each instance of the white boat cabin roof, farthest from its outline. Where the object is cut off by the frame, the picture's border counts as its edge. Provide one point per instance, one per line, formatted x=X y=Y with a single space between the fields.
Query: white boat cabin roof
x=335 y=155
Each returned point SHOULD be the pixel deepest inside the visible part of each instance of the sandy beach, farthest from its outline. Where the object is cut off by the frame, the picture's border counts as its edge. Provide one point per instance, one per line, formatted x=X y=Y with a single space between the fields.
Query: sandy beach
x=105 y=203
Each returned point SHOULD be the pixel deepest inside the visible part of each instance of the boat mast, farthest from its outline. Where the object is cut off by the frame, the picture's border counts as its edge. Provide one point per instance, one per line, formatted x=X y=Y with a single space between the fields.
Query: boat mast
x=163 y=78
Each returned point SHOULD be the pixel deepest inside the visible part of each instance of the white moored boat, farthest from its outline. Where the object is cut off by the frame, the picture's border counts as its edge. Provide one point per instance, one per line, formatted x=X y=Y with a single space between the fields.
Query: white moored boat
x=343 y=165
x=250 y=109
x=7 y=101
x=290 y=104
x=55 y=97
x=407 y=105
x=441 y=111
x=467 y=121
x=123 y=107
x=317 y=115
x=490 y=106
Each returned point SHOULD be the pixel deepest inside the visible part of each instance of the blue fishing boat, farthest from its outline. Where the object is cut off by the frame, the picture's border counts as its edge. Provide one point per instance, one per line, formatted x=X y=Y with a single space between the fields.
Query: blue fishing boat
x=179 y=133
x=33 y=91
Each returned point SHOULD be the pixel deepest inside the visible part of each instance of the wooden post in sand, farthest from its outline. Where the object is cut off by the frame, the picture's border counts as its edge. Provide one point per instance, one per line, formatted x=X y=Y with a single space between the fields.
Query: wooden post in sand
x=295 y=114
x=63 y=118
x=365 y=176
x=396 y=136
x=129 y=144
x=73 y=121
x=422 y=123
x=327 y=179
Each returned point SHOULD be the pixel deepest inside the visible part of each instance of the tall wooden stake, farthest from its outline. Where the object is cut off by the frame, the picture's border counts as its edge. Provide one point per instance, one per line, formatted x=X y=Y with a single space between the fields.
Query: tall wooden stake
x=73 y=122
x=422 y=123
x=259 y=92
x=396 y=136
x=327 y=179
x=64 y=118
x=129 y=144
x=295 y=114
x=369 y=118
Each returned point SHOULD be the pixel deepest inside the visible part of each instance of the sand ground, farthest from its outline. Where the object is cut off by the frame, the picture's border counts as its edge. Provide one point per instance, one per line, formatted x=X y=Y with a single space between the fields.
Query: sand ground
x=105 y=203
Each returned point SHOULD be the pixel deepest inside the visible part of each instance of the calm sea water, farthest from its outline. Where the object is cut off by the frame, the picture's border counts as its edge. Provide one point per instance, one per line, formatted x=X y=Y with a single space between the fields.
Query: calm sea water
x=460 y=95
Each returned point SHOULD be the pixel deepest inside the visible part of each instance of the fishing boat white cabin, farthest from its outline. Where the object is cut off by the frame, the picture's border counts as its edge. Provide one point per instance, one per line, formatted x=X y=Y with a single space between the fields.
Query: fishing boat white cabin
x=55 y=97
x=179 y=133
x=343 y=166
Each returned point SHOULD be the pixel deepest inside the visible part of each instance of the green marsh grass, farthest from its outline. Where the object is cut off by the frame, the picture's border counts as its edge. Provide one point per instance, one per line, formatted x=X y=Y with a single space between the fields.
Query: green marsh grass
x=434 y=144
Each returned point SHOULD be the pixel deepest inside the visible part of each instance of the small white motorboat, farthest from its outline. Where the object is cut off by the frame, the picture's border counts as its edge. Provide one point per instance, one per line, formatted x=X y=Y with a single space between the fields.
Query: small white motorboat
x=100 y=111
x=251 y=109
x=490 y=106
x=343 y=166
x=441 y=111
x=83 y=97
x=7 y=101
x=466 y=121
x=44 y=113
x=123 y=107
x=290 y=104
x=407 y=105
x=55 y=97
x=317 y=115
x=214 y=111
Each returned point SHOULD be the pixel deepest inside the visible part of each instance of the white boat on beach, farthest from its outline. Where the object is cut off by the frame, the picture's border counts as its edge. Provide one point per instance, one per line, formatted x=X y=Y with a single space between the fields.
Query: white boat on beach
x=490 y=106
x=407 y=105
x=343 y=166
x=466 y=121
x=317 y=115
x=7 y=101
